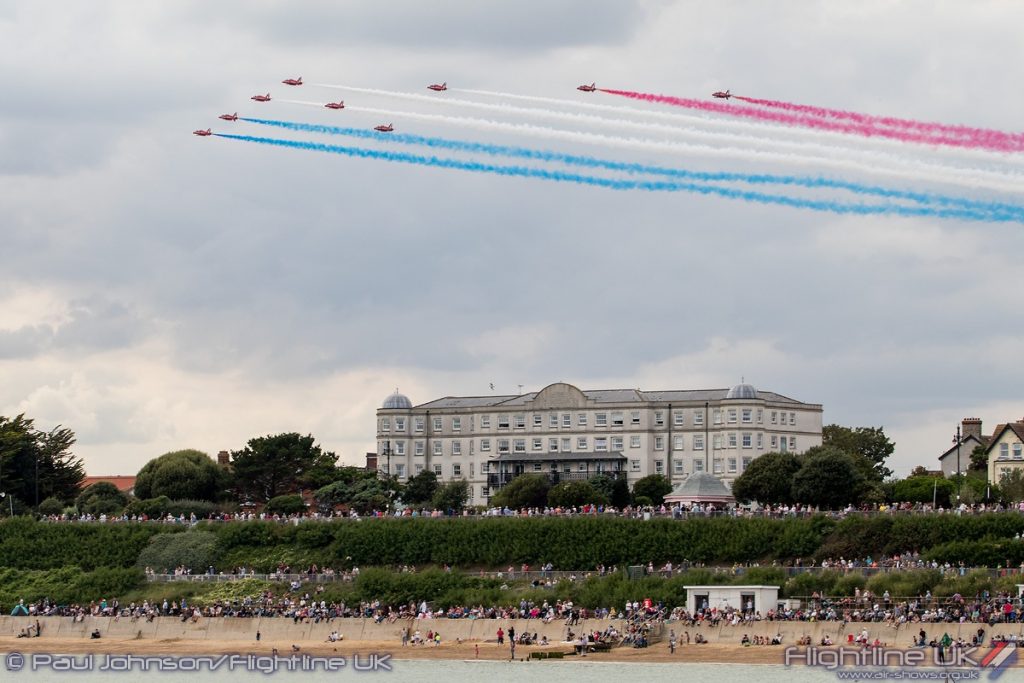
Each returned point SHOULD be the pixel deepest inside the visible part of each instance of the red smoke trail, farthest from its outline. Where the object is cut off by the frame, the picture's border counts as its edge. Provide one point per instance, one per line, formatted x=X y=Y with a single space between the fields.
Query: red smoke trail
x=823 y=124
x=892 y=122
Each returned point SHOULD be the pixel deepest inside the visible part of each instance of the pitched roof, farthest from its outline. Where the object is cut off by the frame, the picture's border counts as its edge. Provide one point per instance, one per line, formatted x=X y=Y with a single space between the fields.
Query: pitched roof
x=602 y=396
x=967 y=444
x=123 y=482
x=1015 y=427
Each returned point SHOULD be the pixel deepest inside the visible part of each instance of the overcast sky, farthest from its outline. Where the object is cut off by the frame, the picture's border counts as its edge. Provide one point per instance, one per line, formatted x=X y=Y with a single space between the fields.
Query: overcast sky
x=163 y=291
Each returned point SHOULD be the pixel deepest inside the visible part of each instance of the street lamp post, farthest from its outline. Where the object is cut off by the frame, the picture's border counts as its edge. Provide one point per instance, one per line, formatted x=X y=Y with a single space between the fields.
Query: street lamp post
x=10 y=500
x=959 y=477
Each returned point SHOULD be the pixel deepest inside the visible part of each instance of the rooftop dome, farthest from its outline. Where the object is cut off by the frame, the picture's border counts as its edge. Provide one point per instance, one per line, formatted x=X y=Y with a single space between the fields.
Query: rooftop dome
x=397 y=401
x=742 y=391
x=701 y=487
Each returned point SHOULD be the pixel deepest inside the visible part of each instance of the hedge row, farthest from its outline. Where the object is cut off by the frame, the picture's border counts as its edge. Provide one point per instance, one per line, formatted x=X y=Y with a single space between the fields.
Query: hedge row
x=568 y=543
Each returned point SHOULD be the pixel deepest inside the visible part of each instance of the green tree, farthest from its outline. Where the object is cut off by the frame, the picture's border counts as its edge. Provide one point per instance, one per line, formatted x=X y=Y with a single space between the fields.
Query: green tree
x=179 y=475
x=1012 y=486
x=768 y=479
x=615 y=491
x=653 y=487
x=51 y=506
x=526 y=490
x=575 y=493
x=923 y=489
x=869 y=443
x=420 y=488
x=35 y=465
x=288 y=504
x=451 y=496
x=828 y=478
x=102 y=498
x=979 y=459
x=194 y=549
x=270 y=466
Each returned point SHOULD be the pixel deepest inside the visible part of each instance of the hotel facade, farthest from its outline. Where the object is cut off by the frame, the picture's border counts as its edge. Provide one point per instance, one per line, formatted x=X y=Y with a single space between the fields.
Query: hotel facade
x=570 y=434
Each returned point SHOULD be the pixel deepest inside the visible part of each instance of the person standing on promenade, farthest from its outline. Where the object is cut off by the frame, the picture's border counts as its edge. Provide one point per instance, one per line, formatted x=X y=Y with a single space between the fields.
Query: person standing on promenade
x=405 y=636
x=672 y=642
x=512 y=646
x=501 y=636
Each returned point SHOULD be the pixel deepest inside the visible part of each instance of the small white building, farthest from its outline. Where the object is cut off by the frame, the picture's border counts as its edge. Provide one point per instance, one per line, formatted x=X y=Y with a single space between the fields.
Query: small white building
x=745 y=598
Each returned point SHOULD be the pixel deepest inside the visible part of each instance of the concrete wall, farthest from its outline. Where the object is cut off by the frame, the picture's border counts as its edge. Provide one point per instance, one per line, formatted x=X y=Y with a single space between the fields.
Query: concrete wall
x=283 y=630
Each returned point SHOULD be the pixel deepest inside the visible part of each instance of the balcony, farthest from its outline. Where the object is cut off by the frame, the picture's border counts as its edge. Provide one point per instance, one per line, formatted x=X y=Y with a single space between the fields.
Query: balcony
x=495 y=480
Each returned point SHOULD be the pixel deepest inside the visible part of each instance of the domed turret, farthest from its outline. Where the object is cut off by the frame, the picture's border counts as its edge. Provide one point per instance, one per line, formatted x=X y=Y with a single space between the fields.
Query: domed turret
x=397 y=401
x=742 y=391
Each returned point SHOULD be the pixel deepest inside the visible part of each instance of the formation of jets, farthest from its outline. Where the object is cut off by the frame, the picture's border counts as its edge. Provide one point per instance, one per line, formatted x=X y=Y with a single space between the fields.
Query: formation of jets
x=436 y=87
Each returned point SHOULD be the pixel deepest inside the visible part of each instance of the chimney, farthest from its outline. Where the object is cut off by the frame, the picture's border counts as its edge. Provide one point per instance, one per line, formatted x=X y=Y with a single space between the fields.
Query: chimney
x=971 y=426
x=222 y=458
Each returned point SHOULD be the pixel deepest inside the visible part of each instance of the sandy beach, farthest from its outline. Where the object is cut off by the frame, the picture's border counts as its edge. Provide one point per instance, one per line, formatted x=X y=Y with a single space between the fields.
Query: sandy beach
x=706 y=653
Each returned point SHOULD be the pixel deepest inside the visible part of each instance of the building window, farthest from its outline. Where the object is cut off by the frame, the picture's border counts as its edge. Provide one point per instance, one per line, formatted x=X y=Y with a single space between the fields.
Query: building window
x=538 y=444
x=698 y=417
x=418 y=424
x=617 y=443
x=503 y=445
x=472 y=470
x=536 y=467
x=774 y=442
x=437 y=470
x=716 y=416
x=419 y=468
x=471 y=446
x=677 y=466
x=538 y=420
x=616 y=419
x=600 y=419
x=659 y=443
x=385 y=424
x=732 y=439
x=634 y=417
x=582 y=467
x=519 y=445
x=747 y=441
x=567 y=444
x=400 y=470
x=503 y=422
x=792 y=443
x=485 y=422
x=698 y=465
x=659 y=467
x=567 y=420
x=399 y=424
x=456 y=448
x=581 y=443
x=747 y=415
x=485 y=492
x=716 y=442
x=438 y=424
x=732 y=465
x=634 y=441
x=659 y=418
x=677 y=418
x=634 y=465
x=732 y=416
x=553 y=445
x=771 y=418
x=520 y=422
x=718 y=465
x=437 y=447
x=420 y=448
x=485 y=445
x=792 y=418
x=746 y=462
x=553 y=420
x=600 y=443
x=456 y=424
x=1004 y=450
x=1017 y=451
x=760 y=442
x=782 y=445
x=399 y=448
x=485 y=467
x=760 y=416
x=456 y=470
x=677 y=443
x=698 y=442
x=581 y=420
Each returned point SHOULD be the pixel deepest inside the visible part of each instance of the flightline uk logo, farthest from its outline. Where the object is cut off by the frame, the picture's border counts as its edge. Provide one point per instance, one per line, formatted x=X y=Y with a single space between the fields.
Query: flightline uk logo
x=889 y=663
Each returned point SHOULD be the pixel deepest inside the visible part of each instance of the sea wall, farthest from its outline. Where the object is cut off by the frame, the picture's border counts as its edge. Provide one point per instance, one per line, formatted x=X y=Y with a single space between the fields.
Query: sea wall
x=241 y=630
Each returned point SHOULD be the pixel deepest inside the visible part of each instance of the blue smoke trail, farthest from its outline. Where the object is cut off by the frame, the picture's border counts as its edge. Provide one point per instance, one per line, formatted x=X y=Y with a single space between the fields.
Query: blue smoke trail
x=1013 y=212
x=616 y=184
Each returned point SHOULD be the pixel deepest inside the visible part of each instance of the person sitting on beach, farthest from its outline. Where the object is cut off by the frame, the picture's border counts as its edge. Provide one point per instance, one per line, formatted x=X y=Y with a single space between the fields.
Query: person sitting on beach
x=745 y=640
x=777 y=639
x=95 y=634
x=543 y=640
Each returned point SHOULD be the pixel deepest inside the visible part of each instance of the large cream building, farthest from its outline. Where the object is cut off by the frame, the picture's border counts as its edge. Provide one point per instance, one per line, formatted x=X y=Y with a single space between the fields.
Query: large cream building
x=568 y=434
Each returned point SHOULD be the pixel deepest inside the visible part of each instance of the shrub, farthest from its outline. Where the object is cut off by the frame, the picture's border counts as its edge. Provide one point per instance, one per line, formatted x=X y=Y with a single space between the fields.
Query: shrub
x=195 y=550
x=289 y=504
